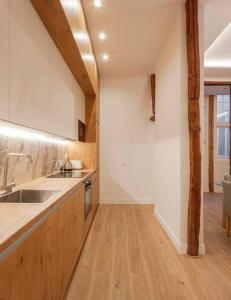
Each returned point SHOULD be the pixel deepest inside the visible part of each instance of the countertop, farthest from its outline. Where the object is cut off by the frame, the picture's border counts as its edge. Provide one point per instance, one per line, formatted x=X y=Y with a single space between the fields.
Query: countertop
x=17 y=218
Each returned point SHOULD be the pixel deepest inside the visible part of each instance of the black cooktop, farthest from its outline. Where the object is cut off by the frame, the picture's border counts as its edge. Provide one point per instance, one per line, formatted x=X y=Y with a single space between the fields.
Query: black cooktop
x=73 y=174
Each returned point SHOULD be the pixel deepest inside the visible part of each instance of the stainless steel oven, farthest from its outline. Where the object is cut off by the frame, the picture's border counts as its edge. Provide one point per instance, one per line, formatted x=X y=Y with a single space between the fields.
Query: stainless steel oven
x=88 y=197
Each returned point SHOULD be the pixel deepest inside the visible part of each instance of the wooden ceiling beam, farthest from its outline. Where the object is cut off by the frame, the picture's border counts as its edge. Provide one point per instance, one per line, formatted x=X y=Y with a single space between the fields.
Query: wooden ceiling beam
x=211 y=83
x=56 y=23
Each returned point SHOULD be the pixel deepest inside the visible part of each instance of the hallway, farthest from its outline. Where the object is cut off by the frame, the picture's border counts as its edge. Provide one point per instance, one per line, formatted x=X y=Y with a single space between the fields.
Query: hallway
x=128 y=256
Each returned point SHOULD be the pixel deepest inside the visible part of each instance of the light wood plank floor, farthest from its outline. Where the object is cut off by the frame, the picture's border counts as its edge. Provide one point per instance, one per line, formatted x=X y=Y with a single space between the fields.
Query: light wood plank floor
x=128 y=256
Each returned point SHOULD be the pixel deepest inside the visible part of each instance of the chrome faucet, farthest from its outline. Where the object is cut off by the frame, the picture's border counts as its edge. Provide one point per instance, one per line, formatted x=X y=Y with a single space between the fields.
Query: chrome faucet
x=7 y=187
x=55 y=163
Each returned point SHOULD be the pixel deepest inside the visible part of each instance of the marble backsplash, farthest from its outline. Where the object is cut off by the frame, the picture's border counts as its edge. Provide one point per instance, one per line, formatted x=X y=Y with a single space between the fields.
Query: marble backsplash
x=44 y=154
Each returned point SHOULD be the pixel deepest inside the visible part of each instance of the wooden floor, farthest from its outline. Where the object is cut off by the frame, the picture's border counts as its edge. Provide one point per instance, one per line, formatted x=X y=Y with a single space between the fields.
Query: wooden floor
x=127 y=256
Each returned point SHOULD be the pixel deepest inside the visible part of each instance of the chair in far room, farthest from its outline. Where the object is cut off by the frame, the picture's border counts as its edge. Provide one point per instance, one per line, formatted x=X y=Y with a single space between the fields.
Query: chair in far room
x=227 y=202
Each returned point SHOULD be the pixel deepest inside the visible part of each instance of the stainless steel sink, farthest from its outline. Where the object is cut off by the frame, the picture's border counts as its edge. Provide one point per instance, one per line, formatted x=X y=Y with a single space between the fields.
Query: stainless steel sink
x=28 y=196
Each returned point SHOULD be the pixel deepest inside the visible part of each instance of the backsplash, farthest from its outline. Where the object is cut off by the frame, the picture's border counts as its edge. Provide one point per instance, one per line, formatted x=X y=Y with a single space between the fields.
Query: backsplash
x=43 y=154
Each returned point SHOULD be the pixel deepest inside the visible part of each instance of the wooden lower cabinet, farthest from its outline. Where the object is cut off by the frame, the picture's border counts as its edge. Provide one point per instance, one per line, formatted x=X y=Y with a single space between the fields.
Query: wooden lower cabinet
x=42 y=266
x=65 y=240
x=95 y=192
x=23 y=274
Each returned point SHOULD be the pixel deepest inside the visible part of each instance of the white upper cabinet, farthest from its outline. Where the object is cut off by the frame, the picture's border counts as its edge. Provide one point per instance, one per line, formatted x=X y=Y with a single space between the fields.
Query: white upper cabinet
x=28 y=67
x=61 y=108
x=42 y=88
x=4 y=59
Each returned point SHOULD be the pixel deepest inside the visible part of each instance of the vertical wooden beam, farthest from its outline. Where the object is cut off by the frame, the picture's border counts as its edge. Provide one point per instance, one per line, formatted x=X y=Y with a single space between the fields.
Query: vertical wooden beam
x=193 y=56
x=153 y=91
x=211 y=143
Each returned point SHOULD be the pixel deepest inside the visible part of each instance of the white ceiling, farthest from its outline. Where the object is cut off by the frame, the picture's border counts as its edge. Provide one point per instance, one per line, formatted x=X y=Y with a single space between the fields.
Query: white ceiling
x=217 y=35
x=217 y=16
x=219 y=53
x=135 y=30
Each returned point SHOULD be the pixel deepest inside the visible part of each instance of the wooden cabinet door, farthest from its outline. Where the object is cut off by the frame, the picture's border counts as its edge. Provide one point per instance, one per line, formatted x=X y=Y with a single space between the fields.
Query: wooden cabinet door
x=4 y=59
x=61 y=99
x=79 y=222
x=95 y=192
x=28 y=66
x=65 y=230
x=23 y=274
x=42 y=266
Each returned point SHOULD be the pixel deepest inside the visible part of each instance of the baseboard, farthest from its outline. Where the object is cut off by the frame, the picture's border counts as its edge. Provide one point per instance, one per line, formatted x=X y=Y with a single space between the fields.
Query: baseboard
x=125 y=201
x=184 y=247
x=180 y=248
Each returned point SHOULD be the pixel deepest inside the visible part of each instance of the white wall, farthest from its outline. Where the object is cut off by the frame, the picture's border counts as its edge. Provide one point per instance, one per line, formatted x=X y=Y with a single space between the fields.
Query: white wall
x=171 y=154
x=171 y=172
x=127 y=140
x=141 y=160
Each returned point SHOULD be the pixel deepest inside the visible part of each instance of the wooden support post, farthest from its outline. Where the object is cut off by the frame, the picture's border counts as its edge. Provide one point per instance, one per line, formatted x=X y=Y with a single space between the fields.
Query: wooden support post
x=211 y=143
x=193 y=56
x=153 y=91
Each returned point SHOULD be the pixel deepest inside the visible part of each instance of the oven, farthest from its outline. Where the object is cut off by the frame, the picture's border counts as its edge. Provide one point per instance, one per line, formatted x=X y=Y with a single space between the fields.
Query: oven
x=87 y=197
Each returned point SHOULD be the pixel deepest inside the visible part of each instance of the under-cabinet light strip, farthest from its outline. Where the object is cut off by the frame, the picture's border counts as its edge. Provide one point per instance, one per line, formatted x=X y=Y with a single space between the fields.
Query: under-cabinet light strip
x=24 y=134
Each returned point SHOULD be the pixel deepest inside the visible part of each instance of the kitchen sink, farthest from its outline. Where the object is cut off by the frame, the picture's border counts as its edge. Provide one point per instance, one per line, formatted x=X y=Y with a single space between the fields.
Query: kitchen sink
x=28 y=196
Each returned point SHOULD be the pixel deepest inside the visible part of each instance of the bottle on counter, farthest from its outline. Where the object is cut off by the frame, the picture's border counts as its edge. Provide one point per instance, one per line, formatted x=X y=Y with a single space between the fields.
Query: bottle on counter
x=67 y=166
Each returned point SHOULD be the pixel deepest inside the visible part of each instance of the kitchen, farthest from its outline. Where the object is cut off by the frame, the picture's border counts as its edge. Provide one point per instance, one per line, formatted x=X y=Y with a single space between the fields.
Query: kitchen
x=49 y=149
x=100 y=172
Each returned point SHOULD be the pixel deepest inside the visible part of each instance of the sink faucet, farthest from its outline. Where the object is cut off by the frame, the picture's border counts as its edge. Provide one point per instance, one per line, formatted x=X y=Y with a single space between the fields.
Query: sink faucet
x=7 y=187
x=55 y=163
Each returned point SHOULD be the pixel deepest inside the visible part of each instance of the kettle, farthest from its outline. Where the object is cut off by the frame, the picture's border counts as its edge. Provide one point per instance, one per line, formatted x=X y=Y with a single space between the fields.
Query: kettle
x=67 y=167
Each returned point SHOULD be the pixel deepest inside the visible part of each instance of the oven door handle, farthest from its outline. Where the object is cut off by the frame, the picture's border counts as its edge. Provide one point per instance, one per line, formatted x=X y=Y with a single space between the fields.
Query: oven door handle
x=88 y=185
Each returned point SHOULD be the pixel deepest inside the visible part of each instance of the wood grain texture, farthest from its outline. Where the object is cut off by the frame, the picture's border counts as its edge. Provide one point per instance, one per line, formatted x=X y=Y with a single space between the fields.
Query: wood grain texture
x=95 y=191
x=217 y=244
x=128 y=256
x=85 y=152
x=65 y=239
x=153 y=93
x=16 y=219
x=193 y=56
x=23 y=274
x=90 y=117
x=59 y=24
x=217 y=83
x=42 y=266
x=211 y=143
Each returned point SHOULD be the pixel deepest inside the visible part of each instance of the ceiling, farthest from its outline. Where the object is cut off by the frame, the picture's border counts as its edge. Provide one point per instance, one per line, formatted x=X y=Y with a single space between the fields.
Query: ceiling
x=217 y=35
x=217 y=16
x=136 y=30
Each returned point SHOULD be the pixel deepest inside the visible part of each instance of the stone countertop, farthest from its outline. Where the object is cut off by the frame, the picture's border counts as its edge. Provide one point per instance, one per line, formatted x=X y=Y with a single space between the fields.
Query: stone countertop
x=17 y=218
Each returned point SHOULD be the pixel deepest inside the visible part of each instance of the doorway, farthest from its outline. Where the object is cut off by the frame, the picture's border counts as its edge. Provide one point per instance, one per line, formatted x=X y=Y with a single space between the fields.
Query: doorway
x=216 y=160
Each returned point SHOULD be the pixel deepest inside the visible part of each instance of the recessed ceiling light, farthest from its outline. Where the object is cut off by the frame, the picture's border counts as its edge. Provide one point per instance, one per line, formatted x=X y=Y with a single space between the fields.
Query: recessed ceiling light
x=102 y=36
x=105 y=56
x=98 y=3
